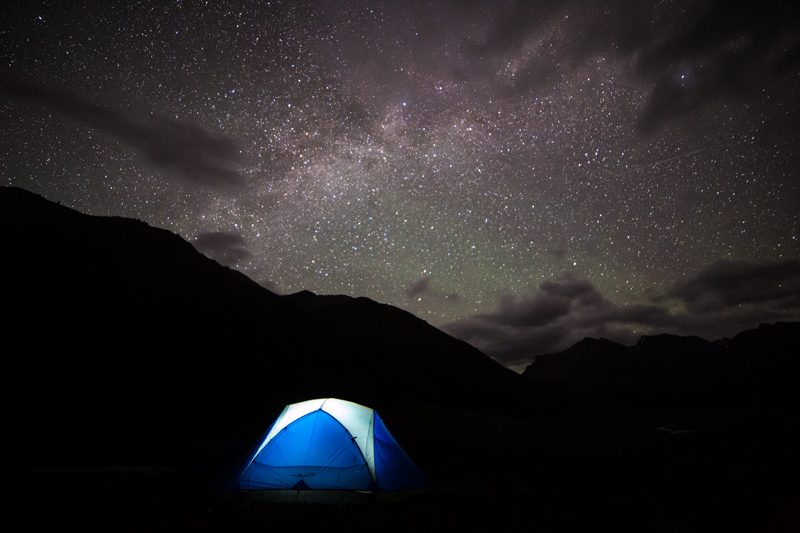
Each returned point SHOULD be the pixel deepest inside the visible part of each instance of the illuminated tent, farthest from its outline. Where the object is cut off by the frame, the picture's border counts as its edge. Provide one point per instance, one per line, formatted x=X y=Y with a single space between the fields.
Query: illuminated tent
x=329 y=444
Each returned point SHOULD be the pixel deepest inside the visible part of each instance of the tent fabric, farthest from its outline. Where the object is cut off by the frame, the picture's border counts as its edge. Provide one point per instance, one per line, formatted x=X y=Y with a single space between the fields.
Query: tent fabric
x=394 y=467
x=329 y=444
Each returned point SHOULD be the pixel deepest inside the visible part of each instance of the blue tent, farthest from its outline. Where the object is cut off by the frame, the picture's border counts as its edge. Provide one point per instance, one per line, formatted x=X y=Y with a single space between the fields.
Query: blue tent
x=329 y=444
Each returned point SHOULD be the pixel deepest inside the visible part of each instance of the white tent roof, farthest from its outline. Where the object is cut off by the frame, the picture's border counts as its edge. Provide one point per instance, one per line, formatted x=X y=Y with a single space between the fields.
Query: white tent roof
x=357 y=419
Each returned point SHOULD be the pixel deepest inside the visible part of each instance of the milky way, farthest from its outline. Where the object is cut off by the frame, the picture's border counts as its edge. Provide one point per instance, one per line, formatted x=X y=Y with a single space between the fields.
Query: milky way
x=522 y=174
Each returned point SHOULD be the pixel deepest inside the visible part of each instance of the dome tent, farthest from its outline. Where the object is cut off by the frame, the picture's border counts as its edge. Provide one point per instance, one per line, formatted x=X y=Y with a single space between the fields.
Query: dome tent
x=329 y=444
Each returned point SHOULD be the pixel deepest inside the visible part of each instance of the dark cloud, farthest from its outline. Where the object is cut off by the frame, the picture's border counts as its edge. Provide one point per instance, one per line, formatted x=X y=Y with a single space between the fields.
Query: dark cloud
x=542 y=308
x=418 y=287
x=515 y=25
x=727 y=49
x=185 y=150
x=720 y=300
x=726 y=285
x=225 y=247
x=509 y=345
x=690 y=53
x=422 y=286
x=559 y=313
x=270 y=285
x=553 y=300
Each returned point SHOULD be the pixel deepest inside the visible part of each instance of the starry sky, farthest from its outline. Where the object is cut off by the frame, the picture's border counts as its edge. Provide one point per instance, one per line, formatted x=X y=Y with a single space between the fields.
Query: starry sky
x=520 y=174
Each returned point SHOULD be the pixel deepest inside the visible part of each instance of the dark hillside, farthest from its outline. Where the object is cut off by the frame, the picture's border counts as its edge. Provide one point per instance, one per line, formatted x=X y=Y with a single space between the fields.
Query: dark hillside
x=757 y=367
x=126 y=345
x=135 y=370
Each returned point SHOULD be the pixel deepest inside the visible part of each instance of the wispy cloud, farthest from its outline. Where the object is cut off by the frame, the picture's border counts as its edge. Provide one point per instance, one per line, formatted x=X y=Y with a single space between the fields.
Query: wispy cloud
x=184 y=150
x=691 y=53
x=422 y=287
x=720 y=299
x=227 y=248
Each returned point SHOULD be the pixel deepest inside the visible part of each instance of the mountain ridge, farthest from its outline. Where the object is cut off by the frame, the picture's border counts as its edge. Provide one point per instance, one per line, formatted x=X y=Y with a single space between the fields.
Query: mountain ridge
x=757 y=363
x=115 y=331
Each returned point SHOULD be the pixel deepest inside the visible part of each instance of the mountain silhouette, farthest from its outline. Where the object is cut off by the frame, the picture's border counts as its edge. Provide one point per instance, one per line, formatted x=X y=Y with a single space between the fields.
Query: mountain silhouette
x=754 y=366
x=124 y=343
x=133 y=366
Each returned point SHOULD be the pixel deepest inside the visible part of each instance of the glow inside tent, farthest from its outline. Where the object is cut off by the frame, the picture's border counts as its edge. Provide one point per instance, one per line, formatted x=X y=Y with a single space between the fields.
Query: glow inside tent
x=329 y=444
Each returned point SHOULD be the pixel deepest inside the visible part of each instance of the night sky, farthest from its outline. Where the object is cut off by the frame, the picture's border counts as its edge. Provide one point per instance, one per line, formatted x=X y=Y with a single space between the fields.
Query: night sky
x=521 y=174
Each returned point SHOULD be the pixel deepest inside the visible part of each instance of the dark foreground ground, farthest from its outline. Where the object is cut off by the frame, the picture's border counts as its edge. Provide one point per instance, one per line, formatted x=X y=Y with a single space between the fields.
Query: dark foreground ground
x=603 y=470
